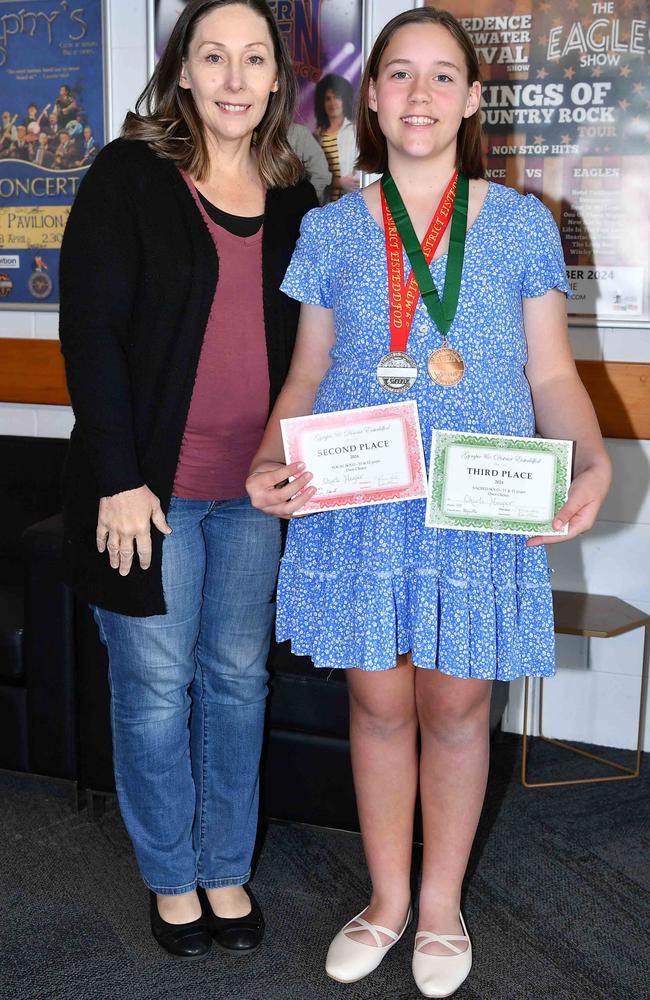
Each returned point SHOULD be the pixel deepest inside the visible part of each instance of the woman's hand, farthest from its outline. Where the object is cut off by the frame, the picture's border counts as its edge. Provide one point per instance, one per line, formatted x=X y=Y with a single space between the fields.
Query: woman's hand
x=125 y=519
x=586 y=495
x=270 y=491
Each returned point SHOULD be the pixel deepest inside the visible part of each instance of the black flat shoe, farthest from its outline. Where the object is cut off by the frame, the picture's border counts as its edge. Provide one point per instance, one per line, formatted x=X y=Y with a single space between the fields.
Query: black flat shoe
x=188 y=942
x=237 y=934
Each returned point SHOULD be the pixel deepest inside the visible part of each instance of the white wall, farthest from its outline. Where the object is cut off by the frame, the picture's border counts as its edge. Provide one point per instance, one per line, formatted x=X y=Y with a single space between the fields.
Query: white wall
x=594 y=696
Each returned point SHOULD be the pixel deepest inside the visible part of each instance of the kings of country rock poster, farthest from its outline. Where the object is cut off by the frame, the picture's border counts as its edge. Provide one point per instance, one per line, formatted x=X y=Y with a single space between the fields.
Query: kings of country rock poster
x=52 y=126
x=566 y=112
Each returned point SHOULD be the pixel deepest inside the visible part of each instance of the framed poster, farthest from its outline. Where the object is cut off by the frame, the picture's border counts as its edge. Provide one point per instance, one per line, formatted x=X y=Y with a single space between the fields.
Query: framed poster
x=566 y=111
x=325 y=41
x=53 y=123
x=323 y=36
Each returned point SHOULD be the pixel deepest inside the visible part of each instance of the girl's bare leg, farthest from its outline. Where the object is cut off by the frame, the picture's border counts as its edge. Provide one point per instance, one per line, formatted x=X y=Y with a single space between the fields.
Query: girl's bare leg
x=453 y=714
x=383 y=741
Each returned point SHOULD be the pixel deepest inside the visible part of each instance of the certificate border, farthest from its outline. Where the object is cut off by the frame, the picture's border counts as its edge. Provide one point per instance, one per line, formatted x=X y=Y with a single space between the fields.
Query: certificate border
x=436 y=517
x=407 y=411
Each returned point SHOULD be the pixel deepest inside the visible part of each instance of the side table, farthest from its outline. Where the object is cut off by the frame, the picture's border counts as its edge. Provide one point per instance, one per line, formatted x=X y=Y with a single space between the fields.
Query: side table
x=598 y=616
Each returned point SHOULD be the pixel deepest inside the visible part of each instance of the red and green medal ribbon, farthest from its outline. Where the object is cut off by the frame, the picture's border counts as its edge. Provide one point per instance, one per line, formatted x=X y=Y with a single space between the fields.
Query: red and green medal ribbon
x=446 y=367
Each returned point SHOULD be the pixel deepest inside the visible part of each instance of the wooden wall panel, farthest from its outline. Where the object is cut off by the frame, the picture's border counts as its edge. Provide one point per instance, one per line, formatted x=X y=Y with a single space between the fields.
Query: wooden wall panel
x=620 y=392
x=31 y=371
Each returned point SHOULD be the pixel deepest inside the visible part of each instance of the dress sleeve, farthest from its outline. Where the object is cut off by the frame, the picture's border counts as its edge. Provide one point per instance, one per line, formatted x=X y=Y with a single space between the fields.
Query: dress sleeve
x=309 y=275
x=543 y=259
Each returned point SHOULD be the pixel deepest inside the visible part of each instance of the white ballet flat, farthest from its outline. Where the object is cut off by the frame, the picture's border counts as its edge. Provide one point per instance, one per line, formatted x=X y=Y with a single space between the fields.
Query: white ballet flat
x=441 y=975
x=349 y=960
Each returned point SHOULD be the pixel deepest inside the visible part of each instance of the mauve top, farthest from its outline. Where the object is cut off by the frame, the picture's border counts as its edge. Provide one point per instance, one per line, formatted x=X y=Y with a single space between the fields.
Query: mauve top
x=229 y=406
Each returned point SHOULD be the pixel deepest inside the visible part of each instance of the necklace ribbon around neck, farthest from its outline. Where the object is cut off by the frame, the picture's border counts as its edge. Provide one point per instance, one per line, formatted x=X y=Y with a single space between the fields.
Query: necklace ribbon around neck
x=398 y=371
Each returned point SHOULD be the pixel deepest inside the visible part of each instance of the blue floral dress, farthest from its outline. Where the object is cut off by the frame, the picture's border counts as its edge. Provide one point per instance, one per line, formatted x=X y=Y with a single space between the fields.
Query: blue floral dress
x=357 y=587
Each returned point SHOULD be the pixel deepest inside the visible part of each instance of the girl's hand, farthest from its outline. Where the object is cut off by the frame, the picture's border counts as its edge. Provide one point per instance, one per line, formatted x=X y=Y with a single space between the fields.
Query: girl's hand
x=270 y=491
x=586 y=494
x=125 y=519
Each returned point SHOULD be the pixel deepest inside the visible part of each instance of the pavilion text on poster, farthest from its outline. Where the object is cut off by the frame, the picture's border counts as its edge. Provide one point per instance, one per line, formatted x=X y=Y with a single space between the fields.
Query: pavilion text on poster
x=566 y=111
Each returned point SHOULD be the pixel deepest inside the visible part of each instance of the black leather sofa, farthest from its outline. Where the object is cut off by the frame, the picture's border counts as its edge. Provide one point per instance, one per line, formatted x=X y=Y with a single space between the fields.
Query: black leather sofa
x=306 y=772
x=37 y=705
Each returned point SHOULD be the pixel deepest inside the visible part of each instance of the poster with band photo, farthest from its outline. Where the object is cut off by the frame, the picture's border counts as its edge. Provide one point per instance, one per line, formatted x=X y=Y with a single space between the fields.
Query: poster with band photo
x=323 y=36
x=52 y=108
x=566 y=111
x=325 y=41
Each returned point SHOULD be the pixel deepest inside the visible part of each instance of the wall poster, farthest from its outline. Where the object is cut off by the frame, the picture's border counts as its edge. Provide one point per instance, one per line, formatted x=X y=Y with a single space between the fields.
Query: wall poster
x=325 y=41
x=566 y=110
x=323 y=36
x=52 y=125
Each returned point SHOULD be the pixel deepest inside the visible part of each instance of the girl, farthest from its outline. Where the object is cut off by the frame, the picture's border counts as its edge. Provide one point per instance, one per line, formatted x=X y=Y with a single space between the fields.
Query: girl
x=424 y=619
x=177 y=339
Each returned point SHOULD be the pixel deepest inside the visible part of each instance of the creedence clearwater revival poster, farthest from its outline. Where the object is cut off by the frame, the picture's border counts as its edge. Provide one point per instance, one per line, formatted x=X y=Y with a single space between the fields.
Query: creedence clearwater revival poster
x=52 y=126
x=566 y=110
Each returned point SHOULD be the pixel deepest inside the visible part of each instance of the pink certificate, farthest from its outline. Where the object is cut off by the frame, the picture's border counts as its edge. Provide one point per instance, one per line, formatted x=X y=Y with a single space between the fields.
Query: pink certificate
x=358 y=457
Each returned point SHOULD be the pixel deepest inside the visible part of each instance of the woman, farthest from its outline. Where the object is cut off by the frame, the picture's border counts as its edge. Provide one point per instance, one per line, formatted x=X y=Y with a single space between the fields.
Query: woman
x=333 y=101
x=177 y=340
x=424 y=619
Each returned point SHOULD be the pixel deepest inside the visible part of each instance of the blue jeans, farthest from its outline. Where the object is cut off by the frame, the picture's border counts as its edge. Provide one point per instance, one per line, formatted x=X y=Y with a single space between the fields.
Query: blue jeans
x=188 y=693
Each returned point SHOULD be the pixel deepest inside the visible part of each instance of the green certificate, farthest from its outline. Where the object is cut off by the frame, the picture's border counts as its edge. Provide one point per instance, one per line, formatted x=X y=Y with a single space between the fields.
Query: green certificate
x=489 y=482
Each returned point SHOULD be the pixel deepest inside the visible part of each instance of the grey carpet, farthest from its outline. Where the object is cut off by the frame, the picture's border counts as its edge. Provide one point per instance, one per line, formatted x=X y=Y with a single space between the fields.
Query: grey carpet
x=557 y=901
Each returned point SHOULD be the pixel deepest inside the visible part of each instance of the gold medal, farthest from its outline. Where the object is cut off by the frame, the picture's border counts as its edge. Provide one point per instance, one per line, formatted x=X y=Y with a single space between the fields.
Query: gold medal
x=445 y=366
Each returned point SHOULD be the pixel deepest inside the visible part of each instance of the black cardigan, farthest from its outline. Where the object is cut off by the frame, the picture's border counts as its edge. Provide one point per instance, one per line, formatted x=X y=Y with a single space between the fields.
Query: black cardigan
x=138 y=271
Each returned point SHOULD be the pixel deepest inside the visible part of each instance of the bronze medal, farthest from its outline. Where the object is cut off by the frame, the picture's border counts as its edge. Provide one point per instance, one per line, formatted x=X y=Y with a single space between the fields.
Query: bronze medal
x=397 y=371
x=445 y=366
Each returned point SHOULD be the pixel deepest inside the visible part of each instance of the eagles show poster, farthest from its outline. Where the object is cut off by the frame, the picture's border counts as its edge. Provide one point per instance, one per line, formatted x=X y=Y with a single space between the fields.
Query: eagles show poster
x=566 y=110
x=323 y=36
x=52 y=126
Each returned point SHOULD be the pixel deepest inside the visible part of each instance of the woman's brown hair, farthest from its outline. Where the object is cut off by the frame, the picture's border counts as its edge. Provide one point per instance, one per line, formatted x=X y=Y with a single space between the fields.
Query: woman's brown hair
x=165 y=115
x=373 y=152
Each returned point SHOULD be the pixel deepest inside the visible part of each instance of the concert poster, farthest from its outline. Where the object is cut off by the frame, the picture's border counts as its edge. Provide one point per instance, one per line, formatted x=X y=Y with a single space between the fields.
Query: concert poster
x=566 y=112
x=52 y=125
